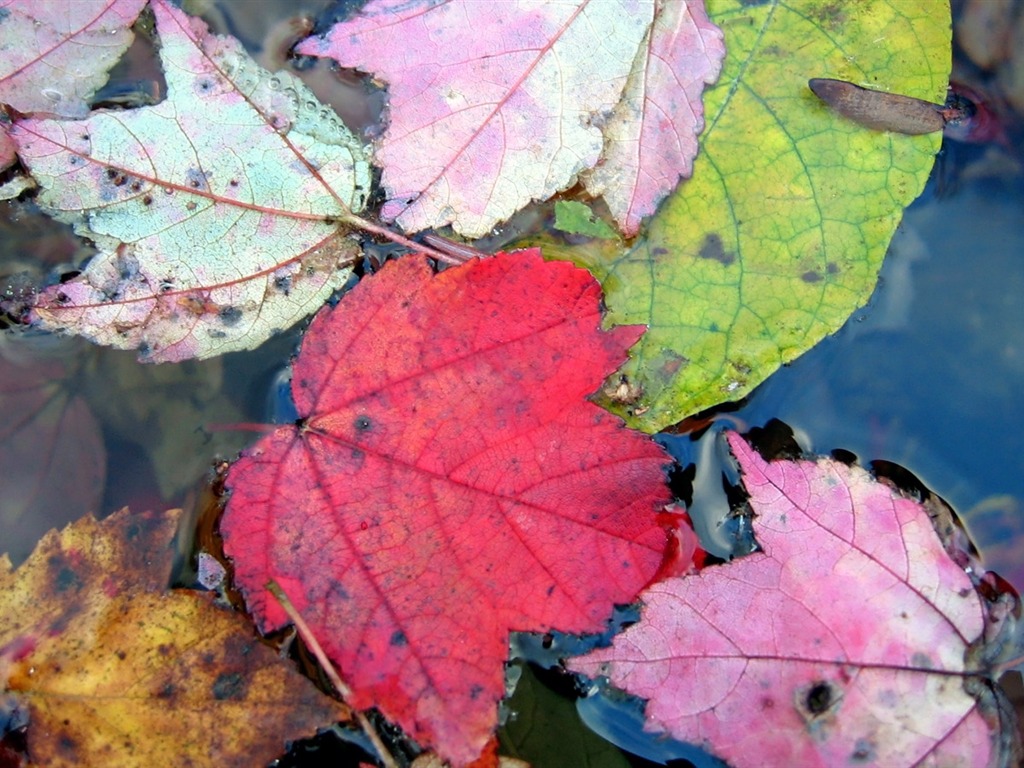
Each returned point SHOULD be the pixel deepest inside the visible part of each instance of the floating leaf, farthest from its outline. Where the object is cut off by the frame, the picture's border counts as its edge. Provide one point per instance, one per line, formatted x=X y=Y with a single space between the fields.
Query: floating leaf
x=54 y=55
x=779 y=235
x=490 y=111
x=215 y=211
x=449 y=482
x=651 y=139
x=116 y=670
x=853 y=638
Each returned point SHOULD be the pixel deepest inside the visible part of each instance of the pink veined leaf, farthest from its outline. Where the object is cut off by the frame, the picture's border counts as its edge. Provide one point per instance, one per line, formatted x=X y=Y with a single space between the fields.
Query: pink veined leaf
x=215 y=212
x=852 y=639
x=55 y=54
x=489 y=111
x=651 y=139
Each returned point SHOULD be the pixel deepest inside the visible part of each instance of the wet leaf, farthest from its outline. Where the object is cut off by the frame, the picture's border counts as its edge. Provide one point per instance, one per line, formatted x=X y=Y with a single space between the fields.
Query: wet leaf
x=490 y=111
x=577 y=219
x=449 y=482
x=780 y=233
x=852 y=638
x=114 y=669
x=215 y=211
x=54 y=55
x=651 y=139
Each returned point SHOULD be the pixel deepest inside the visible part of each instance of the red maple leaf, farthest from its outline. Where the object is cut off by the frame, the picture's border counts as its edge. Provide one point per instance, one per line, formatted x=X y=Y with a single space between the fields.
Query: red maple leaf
x=449 y=482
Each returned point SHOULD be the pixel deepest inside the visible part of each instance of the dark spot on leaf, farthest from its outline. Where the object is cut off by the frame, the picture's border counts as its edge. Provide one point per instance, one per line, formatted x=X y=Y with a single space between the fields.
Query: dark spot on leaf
x=819 y=698
x=85 y=137
x=166 y=691
x=111 y=173
x=121 y=655
x=767 y=702
x=832 y=268
x=229 y=686
x=475 y=691
x=233 y=183
x=863 y=752
x=67 y=579
x=136 y=186
x=283 y=284
x=398 y=638
x=362 y=424
x=66 y=745
x=830 y=16
x=230 y=315
x=811 y=276
x=712 y=248
x=164 y=649
x=147 y=200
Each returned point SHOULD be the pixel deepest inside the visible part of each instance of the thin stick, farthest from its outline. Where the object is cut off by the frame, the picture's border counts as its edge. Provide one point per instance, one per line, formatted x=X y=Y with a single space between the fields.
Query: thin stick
x=339 y=685
x=377 y=229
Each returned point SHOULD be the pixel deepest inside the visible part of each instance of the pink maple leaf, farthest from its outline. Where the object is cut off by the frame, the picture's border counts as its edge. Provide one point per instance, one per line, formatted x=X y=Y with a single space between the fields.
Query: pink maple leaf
x=852 y=639
x=489 y=111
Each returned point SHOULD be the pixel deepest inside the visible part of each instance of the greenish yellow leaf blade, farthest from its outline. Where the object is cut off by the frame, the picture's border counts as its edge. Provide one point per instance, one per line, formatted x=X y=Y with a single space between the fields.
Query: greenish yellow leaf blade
x=779 y=235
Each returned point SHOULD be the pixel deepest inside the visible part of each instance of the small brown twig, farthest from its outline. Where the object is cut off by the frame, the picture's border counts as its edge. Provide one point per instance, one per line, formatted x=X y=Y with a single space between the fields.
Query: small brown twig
x=339 y=685
x=376 y=229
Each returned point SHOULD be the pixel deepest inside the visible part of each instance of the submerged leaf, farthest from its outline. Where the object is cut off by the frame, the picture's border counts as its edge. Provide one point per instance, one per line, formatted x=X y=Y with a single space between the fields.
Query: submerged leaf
x=114 y=669
x=51 y=444
x=449 y=482
x=215 y=211
x=853 y=638
x=492 y=110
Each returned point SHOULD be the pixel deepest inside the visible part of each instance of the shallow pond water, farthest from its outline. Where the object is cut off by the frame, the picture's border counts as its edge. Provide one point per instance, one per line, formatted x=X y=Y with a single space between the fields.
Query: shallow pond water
x=927 y=376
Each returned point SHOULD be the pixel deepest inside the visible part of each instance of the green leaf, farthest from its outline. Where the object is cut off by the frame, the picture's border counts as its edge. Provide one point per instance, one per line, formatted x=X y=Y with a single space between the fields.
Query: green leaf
x=779 y=235
x=576 y=218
